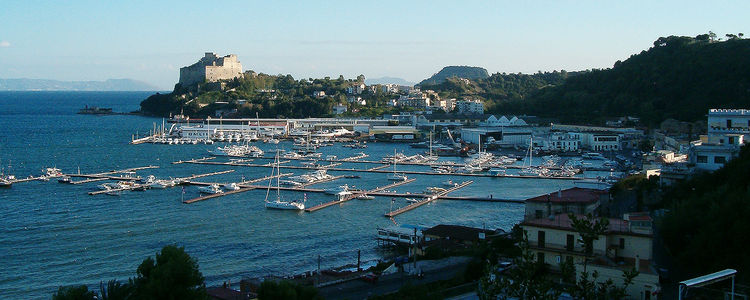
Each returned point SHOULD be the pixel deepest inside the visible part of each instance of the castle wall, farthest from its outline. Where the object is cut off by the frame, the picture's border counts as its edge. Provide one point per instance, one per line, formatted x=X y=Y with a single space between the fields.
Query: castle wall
x=211 y=68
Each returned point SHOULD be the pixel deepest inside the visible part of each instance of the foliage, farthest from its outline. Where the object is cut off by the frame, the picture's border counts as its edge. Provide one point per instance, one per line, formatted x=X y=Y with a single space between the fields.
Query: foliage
x=529 y=279
x=286 y=290
x=455 y=71
x=172 y=275
x=679 y=77
x=592 y=289
x=80 y=292
x=706 y=227
x=114 y=290
x=590 y=229
x=268 y=96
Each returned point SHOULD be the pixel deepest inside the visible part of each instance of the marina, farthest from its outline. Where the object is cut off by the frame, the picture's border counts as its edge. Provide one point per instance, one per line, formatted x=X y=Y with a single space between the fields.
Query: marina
x=140 y=222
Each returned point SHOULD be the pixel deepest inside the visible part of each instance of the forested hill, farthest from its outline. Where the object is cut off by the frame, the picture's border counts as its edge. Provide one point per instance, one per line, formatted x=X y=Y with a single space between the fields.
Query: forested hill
x=679 y=77
x=455 y=71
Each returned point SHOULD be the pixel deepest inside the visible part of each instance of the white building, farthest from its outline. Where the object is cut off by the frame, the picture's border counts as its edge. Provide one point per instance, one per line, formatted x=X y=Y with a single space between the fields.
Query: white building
x=626 y=244
x=565 y=142
x=470 y=107
x=319 y=94
x=728 y=130
x=355 y=89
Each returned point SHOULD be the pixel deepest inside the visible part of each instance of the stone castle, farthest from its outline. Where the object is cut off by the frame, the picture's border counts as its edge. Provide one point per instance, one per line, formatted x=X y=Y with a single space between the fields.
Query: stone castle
x=211 y=68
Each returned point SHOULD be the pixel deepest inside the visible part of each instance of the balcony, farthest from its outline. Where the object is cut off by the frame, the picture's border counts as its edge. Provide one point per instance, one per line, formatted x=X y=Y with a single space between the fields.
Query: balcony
x=576 y=250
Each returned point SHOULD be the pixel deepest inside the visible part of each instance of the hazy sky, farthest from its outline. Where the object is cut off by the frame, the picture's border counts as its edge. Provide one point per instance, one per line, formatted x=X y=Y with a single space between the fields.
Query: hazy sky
x=97 y=40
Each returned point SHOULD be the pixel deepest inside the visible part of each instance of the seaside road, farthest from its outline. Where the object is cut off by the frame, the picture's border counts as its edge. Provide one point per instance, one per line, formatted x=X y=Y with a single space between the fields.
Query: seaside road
x=358 y=289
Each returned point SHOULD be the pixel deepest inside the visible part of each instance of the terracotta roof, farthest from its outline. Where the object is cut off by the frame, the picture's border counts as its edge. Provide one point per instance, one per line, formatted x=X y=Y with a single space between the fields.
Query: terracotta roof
x=456 y=232
x=571 y=195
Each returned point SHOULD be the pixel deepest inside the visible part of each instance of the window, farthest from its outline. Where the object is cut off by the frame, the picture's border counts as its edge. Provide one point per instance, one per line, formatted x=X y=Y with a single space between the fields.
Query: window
x=569 y=242
x=539 y=213
x=729 y=123
x=720 y=159
x=540 y=238
x=731 y=140
x=702 y=159
x=622 y=243
x=540 y=257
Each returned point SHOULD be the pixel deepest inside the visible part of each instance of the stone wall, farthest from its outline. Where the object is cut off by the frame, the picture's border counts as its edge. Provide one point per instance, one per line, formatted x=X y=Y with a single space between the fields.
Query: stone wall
x=211 y=68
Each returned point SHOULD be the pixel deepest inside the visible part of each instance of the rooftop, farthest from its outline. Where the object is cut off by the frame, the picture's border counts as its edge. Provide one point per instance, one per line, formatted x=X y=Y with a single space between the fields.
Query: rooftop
x=571 y=195
x=456 y=232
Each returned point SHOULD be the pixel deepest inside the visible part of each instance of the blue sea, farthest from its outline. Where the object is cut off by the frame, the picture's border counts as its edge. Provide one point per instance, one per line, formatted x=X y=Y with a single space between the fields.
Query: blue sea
x=54 y=234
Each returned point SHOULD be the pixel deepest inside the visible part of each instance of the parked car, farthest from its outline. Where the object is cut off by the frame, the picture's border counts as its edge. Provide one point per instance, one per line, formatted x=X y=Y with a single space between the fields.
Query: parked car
x=370 y=277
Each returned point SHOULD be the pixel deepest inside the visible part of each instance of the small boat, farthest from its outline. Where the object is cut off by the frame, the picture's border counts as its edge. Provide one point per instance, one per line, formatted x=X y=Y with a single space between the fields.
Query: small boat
x=412 y=200
x=449 y=183
x=337 y=190
x=231 y=186
x=397 y=177
x=64 y=179
x=211 y=189
x=497 y=171
x=365 y=197
x=5 y=183
x=52 y=172
x=163 y=184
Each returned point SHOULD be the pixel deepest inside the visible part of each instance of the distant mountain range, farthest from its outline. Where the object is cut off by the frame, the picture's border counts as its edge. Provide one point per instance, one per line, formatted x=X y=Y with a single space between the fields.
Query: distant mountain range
x=385 y=80
x=456 y=71
x=25 y=84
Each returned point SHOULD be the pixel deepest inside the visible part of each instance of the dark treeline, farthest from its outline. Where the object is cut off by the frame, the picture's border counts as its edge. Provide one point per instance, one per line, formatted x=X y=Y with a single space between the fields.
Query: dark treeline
x=679 y=78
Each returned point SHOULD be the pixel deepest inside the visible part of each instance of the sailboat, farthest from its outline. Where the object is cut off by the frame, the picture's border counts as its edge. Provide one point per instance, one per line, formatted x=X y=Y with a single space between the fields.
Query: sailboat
x=278 y=203
x=396 y=176
x=530 y=170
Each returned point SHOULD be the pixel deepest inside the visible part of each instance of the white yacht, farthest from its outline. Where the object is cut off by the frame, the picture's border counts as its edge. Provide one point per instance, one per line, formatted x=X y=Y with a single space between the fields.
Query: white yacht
x=211 y=189
x=163 y=184
x=338 y=190
x=449 y=183
x=395 y=176
x=497 y=171
x=231 y=186
x=365 y=197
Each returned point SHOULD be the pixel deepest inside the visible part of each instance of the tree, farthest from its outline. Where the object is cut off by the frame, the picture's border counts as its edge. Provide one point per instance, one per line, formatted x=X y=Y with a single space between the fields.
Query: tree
x=527 y=280
x=80 y=292
x=114 y=290
x=606 y=290
x=589 y=229
x=172 y=275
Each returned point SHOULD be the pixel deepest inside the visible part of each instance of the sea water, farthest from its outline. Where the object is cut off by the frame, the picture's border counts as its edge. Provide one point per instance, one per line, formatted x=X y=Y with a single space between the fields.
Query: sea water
x=55 y=234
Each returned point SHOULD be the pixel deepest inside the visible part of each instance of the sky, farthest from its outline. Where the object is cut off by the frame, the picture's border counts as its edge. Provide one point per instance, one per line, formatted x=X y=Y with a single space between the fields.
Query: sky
x=146 y=41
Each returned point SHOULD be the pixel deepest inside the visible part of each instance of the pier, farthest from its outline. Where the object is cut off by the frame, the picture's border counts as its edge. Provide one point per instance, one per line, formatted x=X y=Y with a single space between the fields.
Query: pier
x=379 y=169
x=183 y=180
x=426 y=200
x=356 y=194
x=105 y=174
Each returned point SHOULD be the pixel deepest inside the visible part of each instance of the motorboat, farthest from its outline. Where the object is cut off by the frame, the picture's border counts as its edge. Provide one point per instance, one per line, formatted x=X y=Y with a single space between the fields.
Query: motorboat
x=52 y=172
x=231 y=186
x=337 y=190
x=412 y=200
x=163 y=184
x=497 y=171
x=211 y=189
x=449 y=183
x=365 y=197
x=148 y=180
x=397 y=177
x=64 y=179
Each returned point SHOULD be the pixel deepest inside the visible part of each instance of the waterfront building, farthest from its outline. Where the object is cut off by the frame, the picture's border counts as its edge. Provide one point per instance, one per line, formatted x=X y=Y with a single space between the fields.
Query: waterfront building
x=626 y=244
x=211 y=68
x=503 y=121
x=504 y=137
x=564 y=142
x=728 y=130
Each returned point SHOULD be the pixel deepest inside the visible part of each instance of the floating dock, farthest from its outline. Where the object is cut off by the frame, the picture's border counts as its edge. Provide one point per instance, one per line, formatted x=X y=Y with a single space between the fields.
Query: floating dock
x=426 y=200
x=354 y=195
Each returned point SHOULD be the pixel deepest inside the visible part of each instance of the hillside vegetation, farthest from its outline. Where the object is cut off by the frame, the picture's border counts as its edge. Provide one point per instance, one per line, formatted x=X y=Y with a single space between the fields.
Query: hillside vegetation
x=268 y=96
x=679 y=78
x=455 y=71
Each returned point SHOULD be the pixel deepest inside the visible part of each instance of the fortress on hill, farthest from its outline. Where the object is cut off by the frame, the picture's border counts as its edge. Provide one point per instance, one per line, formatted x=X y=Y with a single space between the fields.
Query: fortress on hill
x=211 y=68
